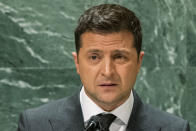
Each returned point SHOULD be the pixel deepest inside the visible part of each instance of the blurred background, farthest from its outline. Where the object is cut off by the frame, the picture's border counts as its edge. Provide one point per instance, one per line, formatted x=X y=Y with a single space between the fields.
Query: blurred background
x=36 y=65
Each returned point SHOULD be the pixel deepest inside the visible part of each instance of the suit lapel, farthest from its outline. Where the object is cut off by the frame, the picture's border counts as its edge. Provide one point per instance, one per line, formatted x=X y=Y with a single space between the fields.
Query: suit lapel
x=69 y=118
x=138 y=119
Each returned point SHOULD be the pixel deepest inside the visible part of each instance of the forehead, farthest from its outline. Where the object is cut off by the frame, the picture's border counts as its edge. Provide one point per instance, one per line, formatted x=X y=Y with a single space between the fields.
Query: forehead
x=124 y=39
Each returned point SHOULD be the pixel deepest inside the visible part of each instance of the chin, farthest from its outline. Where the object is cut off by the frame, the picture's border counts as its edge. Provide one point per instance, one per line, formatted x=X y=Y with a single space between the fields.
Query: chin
x=108 y=100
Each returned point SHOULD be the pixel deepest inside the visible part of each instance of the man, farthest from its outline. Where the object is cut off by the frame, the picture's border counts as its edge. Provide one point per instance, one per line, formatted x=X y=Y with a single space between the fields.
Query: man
x=108 y=57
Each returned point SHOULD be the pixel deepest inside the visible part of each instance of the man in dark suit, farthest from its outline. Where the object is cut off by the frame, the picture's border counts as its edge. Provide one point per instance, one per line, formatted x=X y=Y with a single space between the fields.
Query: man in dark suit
x=108 y=57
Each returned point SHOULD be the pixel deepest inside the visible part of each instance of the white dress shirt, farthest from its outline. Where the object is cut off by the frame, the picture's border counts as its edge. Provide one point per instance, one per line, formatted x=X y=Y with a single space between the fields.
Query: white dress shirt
x=122 y=113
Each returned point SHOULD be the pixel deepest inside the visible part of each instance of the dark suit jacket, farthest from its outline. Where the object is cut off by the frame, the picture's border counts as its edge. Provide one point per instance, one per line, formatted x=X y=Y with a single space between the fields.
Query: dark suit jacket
x=66 y=115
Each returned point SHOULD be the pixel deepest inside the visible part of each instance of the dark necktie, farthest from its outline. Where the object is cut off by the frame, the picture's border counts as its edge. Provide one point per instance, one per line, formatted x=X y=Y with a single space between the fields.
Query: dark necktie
x=100 y=122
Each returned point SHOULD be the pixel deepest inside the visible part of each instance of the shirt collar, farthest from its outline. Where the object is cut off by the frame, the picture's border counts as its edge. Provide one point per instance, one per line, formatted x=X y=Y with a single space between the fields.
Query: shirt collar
x=89 y=108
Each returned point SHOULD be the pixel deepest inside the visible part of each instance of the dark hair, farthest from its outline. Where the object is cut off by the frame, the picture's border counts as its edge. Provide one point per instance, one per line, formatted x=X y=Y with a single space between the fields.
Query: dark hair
x=109 y=18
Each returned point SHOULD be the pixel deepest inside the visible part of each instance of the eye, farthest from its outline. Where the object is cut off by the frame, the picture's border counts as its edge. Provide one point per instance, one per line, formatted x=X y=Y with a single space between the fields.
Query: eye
x=119 y=58
x=94 y=58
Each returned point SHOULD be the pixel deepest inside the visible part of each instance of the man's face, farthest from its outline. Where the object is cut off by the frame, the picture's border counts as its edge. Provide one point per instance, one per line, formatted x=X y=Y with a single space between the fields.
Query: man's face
x=108 y=65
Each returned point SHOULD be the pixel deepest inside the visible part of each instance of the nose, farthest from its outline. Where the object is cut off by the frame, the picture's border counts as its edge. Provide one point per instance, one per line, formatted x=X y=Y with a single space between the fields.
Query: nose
x=108 y=68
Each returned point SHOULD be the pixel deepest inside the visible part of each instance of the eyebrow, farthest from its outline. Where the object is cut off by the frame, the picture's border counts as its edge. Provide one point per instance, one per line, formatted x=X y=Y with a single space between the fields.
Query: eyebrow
x=122 y=51
x=125 y=51
x=94 y=51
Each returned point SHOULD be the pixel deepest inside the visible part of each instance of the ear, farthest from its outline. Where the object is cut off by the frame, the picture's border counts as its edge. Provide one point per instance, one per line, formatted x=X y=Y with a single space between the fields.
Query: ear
x=75 y=56
x=140 y=60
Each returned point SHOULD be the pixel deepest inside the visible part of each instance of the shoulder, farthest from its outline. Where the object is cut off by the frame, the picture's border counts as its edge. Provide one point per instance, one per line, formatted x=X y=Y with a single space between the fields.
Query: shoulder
x=147 y=117
x=62 y=110
x=59 y=109
x=163 y=119
x=47 y=109
x=53 y=109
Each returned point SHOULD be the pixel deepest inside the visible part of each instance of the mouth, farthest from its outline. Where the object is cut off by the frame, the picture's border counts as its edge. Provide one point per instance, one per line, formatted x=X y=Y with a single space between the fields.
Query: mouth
x=108 y=84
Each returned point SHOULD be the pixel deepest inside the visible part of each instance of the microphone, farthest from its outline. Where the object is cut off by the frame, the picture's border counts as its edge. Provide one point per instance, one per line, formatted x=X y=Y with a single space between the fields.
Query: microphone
x=92 y=124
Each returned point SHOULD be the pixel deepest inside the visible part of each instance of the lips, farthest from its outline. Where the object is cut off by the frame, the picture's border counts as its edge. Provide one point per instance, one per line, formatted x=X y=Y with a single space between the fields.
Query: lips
x=108 y=84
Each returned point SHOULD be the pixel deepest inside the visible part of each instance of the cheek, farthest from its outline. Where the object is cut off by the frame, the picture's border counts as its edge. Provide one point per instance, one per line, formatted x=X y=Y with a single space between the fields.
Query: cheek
x=87 y=75
x=128 y=74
